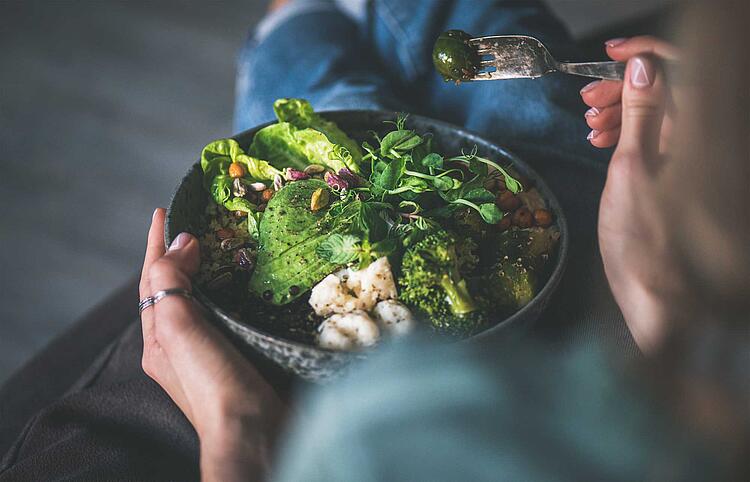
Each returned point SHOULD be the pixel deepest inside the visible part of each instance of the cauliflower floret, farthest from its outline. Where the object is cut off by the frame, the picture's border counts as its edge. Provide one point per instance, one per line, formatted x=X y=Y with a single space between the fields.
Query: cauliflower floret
x=373 y=284
x=348 y=332
x=394 y=317
x=332 y=296
x=348 y=290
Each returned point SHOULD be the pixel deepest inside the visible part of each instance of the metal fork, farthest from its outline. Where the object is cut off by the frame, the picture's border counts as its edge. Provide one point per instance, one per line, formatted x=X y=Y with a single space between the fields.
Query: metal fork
x=523 y=57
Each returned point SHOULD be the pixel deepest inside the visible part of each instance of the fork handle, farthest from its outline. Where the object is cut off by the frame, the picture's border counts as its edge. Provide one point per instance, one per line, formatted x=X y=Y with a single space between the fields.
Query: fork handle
x=599 y=70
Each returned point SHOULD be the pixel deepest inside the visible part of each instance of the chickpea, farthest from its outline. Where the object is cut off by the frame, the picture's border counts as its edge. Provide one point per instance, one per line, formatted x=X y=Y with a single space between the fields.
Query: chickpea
x=266 y=195
x=504 y=223
x=543 y=217
x=507 y=201
x=236 y=170
x=523 y=218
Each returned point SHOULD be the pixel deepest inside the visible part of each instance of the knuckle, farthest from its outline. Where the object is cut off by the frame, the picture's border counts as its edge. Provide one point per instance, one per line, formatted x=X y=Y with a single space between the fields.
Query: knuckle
x=642 y=106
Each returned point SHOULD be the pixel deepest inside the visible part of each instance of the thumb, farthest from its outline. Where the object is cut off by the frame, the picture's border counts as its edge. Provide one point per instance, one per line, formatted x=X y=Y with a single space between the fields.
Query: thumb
x=183 y=254
x=643 y=105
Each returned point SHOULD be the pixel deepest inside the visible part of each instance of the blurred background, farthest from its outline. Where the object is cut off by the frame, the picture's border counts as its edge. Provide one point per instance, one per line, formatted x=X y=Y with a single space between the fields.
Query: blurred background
x=103 y=106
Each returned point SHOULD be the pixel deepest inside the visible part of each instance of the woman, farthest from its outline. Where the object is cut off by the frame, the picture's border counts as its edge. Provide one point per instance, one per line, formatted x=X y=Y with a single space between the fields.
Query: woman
x=659 y=248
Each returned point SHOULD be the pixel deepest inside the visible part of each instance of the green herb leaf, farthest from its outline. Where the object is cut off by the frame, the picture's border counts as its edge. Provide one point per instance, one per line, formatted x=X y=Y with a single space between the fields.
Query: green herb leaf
x=478 y=168
x=425 y=148
x=490 y=213
x=445 y=183
x=339 y=248
x=432 y=160
x=382 y=248
x=442 y=212
x=396 y=142
x=479 y=195
x=472 y=158
x=370 y=222
x=410 y=207
x=391 y=175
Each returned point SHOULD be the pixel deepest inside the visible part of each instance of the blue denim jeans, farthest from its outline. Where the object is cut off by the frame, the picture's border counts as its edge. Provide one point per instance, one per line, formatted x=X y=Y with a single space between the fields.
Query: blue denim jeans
x=381 y=59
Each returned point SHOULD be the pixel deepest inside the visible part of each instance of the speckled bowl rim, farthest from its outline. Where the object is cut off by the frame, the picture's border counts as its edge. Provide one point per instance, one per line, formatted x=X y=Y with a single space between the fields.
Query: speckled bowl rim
x=537 y=303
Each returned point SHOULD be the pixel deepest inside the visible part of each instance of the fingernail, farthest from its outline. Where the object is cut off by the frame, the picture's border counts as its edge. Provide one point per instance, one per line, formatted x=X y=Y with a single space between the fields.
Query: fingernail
x=154 y=214
x=180 y=241
x=590 y=86
x=593 y=112
x=641 y=73
x=615 y=41
x=592 y=135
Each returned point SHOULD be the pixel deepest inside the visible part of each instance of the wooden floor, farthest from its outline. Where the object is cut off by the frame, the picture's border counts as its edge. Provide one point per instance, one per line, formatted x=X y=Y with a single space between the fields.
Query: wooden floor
x=103 y=105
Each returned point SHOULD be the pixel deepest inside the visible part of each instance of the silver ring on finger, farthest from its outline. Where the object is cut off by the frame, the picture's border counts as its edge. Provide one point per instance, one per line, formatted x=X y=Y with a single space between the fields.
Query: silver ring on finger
x=150 y=301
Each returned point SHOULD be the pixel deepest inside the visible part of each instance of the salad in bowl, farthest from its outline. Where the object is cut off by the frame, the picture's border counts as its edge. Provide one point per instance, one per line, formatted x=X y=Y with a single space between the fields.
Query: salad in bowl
x=325 y=240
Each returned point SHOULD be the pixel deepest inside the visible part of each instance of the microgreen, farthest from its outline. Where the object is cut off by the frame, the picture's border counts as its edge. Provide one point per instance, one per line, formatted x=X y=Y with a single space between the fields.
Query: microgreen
x=472 y=159
x=489 y=211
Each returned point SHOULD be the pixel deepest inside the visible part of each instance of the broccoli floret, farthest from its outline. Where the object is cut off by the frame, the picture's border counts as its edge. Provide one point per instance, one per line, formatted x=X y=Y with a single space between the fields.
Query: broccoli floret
x=509 y=286
x=514 y=277
x=534 y=246
x=432 y=283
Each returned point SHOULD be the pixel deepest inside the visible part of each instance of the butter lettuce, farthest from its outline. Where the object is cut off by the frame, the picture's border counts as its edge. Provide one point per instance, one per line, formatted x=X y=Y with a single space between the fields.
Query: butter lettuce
x=215 y=160
x=222 y=149
x=300 y=114
x=257 y=169
x=221 y=188
x=287 y=146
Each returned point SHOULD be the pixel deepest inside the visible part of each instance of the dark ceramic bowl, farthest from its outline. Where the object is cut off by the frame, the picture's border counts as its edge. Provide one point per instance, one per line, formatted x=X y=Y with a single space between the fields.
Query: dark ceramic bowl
x=186 y=213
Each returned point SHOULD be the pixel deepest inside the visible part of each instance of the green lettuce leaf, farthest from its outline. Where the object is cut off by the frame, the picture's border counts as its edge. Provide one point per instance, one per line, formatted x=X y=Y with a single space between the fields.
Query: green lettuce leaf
x=286 y=146
x=257 y=169
x=300 y=114
x=221 y=188
x=253 y=218
x=224 y=149
x=240 y=204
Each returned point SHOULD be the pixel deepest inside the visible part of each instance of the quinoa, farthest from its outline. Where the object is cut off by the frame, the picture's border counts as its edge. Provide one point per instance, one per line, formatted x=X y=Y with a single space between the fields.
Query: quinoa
x=295 y=321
